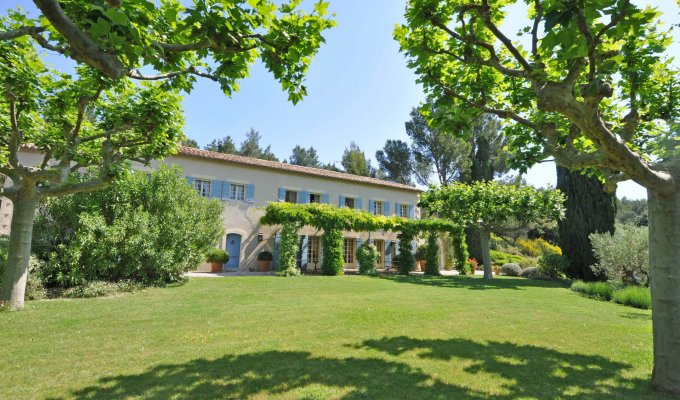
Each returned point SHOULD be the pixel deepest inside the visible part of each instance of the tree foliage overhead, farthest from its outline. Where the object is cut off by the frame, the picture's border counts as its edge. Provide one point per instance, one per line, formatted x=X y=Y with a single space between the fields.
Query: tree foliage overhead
x=214 y=39
x=594 y=88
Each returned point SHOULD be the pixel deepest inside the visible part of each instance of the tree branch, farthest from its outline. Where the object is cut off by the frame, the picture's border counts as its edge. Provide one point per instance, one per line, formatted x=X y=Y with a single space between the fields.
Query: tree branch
x=89 y=186
x=485 y=13
x=534 y=30
x=84 y=48
x=614 y=21
x=136 y=74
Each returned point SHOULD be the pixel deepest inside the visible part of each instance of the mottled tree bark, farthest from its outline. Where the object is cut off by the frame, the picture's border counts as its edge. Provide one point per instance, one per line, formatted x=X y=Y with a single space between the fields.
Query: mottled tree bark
x=664 y=264
x=16 y=270
x=589 y=209
x=485 y=238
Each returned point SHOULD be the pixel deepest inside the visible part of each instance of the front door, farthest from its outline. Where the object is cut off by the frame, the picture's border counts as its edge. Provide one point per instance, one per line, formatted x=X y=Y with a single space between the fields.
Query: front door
x=233 y=247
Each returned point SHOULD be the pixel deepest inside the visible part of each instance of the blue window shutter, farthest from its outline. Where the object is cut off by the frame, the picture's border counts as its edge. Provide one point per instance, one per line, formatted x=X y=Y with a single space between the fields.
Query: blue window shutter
x=282 y=194
x=303 y=197
x=396 y=247
x=190 y=179
x=250 y=193
x=216 y=189
x=226 y=190
x=388 y=253
x=359 y=243
x=371 y=206
x=411 y=212
x=397 y=209
x=325 y=198
x=341 y=202
x=358 y=203
x=386 y=208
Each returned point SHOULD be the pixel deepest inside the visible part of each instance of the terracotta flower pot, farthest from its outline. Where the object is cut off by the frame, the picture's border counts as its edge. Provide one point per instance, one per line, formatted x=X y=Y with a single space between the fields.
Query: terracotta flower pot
x=215 y=267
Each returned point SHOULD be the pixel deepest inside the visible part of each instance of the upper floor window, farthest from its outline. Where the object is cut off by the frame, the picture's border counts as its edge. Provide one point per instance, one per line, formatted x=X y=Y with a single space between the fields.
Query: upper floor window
x=238 y=192
x=403 y=210
x=203 y=187
x=314 y=198
x=349 y=202
x=378 y=207
x=291 y=196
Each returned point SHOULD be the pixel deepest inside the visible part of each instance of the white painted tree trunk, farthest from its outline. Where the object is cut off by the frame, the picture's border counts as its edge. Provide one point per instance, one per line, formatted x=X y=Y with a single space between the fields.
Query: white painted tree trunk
x=664 y=265
x=16 y=270
x=485 y=237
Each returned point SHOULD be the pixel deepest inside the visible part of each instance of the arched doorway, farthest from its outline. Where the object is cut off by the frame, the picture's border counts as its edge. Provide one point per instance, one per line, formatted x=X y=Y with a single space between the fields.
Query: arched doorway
x=233 y=247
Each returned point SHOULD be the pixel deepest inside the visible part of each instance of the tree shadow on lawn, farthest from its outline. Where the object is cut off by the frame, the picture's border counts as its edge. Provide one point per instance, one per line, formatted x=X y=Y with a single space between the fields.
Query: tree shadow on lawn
x=529 y=371
x=526 y=370
x=475 y=283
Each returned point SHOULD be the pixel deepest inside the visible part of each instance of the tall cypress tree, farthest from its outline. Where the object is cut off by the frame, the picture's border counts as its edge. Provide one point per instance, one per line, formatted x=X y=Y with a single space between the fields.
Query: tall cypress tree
x=589 y=209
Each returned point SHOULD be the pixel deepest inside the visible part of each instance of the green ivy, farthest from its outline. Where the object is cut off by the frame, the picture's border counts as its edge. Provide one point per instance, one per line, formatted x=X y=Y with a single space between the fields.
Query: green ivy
x=289 y=248
x=332 y=261
x=432 y=255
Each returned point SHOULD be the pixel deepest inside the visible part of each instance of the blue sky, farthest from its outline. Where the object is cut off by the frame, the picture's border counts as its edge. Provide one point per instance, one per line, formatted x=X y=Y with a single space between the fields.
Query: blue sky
x=359 y=90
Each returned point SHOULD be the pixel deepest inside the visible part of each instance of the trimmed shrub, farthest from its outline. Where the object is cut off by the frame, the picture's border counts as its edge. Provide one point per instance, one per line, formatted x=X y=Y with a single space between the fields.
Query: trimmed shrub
x=332 y=262
x=511 y=269
x=432 y=255
x=624 y=256
x=634 y=296
x=597 y=290
x=405 y=259
x=460 y=251
x=217 y=256
x=531 y=273
x=500 y=258
x=367 y=255
x=553 y=265
x=472 y=264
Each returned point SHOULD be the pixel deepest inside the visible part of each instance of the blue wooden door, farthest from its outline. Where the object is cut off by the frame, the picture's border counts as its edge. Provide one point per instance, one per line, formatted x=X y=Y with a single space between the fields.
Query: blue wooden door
x=234 y=249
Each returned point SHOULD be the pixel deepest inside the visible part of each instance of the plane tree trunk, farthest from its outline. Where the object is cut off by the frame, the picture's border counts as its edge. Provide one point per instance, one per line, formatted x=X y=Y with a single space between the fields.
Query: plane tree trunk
x=16 y=269
x=664 y=265
x=485 y=238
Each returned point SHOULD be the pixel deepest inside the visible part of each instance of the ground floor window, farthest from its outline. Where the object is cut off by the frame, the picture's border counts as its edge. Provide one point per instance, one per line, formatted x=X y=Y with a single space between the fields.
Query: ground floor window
x=348 y=248
x=313 y=248
x=380 y=247
x=203 y=187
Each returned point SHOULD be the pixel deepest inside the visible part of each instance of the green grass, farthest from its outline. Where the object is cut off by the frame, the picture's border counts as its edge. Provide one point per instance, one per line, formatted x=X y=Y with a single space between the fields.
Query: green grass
x=348 y=337
x=634 y=296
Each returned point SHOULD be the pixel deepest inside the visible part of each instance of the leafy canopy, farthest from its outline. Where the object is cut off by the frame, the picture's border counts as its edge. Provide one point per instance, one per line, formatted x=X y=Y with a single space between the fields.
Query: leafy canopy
x=491 y=204
x=591 y=86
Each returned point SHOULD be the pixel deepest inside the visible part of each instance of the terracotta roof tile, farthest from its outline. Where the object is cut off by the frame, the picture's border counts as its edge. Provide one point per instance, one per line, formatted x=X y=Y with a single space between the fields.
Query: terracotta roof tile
x=254 y=162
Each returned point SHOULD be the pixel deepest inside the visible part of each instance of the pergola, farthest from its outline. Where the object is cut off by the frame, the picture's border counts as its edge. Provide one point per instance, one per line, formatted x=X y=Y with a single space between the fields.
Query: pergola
x=333 y=220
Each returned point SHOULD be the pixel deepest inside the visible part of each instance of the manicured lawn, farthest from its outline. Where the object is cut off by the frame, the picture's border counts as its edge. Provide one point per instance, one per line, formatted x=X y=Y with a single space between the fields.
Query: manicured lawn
x=329 y=337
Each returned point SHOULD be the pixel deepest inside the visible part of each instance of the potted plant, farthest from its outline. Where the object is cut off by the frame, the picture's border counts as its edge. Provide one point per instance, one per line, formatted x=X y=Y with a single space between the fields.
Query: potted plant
x=420 y=258
x=265 y=261
x=216 y=258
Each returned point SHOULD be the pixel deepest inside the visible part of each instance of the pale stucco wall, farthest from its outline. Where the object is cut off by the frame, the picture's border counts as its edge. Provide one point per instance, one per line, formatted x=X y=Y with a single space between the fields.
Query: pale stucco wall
x=243 y=218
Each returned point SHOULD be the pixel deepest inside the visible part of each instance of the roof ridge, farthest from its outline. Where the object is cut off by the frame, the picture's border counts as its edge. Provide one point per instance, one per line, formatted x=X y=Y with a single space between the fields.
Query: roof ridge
x=213 y=155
